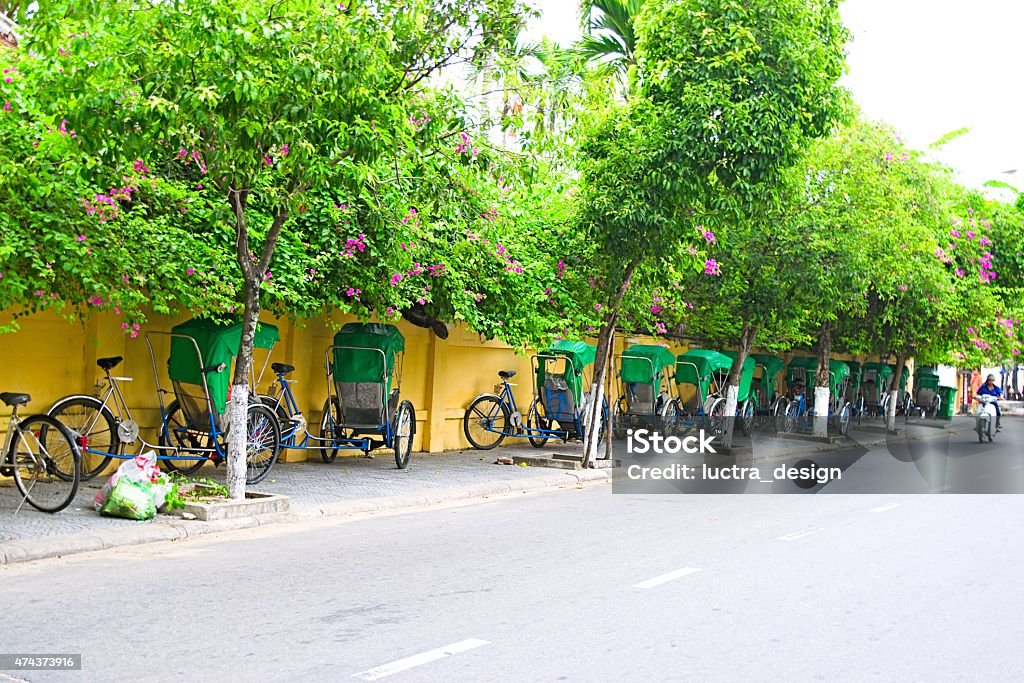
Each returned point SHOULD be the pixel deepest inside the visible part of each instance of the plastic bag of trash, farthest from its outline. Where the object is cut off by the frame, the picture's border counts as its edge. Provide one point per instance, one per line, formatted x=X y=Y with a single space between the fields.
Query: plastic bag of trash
x=160 y=489
x=141 y=469
x=129 y=499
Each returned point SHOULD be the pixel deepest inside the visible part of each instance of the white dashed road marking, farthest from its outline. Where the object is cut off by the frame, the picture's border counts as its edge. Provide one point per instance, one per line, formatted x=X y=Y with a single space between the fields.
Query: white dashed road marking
x=406 y=663
x=885 y=508
x=800 y=534
x=665 y=578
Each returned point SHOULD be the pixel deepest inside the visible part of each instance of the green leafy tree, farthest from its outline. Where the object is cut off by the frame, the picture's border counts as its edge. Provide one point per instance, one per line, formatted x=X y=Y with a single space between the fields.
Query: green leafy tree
x=714 y=121
x=266 y=101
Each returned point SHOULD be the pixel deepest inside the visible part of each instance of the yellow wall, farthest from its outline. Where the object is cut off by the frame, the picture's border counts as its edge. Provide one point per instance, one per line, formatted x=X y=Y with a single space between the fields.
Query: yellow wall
x=50 y=357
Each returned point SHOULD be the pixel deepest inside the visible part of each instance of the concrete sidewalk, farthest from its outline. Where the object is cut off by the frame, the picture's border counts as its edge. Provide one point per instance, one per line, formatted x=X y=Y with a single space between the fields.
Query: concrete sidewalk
x=348 y=486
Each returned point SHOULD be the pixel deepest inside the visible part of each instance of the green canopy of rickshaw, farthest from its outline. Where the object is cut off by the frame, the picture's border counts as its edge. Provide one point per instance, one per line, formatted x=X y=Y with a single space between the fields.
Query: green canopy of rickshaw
x=643 y=363
x=838 y=371
x=772 y=366
x=855 y=371
x=365 y=352
x=578 y=355
x=883 y=371
x=696 y=367
x=746 y=375
x=807 y=365
x=218 y=342
x=926 y=378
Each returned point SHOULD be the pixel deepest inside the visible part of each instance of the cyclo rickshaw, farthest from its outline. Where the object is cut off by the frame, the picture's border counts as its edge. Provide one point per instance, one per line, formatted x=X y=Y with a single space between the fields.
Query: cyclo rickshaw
x=646 y=389
x=701 y=375
x=800 y=411
x=194 y=426
x=363 y=410
x=746 y=399
x=853 y=388
x=559 y=409
x=926 y=392
x=769 y=398
x=874 y=392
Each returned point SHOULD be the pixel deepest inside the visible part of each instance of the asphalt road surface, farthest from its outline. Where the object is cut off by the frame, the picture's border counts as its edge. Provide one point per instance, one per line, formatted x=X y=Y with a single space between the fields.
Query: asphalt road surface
x=580 y=585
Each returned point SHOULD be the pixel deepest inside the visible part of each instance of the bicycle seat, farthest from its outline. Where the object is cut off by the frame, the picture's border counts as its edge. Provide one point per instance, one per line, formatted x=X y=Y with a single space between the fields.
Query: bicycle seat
x=506 y=374
x=109 y=363
x=282 y=368
x=14 y=400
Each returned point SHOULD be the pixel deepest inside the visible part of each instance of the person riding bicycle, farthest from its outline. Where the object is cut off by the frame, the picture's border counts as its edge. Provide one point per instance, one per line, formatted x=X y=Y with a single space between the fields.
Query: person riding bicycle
x=989 y=388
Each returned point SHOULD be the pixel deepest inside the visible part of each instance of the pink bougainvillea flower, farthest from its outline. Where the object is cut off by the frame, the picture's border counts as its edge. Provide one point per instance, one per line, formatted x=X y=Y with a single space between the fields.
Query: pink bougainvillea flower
x=95 y=300
x=902 y=288
x=396 y=278
x=959 y=272
x=954 y=233
x=267 y=161
x=7 y=106
x=80 y=238
x=597 y=307
x=888 y=156
x=660 y=328
x=712 y=267
x=656 y=309
x=190 y=271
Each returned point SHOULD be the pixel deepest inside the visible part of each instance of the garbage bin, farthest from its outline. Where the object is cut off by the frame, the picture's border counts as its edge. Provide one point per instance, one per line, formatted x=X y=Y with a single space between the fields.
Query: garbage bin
x=947 y=407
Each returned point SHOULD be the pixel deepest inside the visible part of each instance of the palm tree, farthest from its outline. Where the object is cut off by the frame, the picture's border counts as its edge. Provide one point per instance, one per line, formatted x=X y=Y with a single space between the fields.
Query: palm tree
x=608 y=38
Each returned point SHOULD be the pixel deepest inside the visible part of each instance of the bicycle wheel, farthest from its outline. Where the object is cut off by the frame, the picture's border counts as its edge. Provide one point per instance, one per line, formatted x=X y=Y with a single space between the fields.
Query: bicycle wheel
x=405 y=422
x=793 y=415
x=779 y=409
x=487 y=421
x=535 y=420
x=93 y=428
x=176 y=433
x=46 y=463
x=747 y=417
x=262 y=442
x=716 y=417
x=330 y=430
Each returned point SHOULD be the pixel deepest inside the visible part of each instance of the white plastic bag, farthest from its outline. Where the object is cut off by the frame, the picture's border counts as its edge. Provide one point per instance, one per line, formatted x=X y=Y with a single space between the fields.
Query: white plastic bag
x=142 y=469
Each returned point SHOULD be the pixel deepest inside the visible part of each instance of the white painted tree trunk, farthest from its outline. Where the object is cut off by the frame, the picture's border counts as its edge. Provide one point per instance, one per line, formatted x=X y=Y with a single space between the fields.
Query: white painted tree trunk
x=731 y=399
x=821 y=396
x=890 y=410
x=237 y=440
x=597 y=417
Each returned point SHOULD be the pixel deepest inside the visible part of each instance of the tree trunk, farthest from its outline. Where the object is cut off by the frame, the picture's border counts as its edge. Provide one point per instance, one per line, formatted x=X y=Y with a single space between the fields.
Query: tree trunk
x=254 y=272
x=747 y=336
x=239 y=405
x=604 y=347
x=894 y=392
x=821 y=381
x=593 y=419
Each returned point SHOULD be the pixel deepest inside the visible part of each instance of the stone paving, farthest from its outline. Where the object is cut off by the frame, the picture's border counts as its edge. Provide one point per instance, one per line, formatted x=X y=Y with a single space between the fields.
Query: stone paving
x=307 y=483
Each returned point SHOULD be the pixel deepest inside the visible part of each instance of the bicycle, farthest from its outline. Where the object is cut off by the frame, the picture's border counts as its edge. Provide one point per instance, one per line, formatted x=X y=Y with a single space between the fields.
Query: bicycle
x=100 y=434
x=42 y=457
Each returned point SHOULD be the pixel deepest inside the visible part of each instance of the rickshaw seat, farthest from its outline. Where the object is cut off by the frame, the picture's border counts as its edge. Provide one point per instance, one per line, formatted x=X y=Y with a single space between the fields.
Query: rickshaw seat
x=13 y=399
x=559 y=403
x=361 y=404
x=871 y=394
x=282 y=368
x=506 y=374
x=640 y=398
x=109 y=363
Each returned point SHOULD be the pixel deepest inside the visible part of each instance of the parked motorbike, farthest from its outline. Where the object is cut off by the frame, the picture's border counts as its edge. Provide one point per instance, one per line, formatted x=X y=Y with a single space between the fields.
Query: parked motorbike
x=985 y=419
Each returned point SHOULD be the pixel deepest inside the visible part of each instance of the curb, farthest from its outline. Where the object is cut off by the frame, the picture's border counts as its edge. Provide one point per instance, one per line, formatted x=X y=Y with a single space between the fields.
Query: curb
x=73 y=544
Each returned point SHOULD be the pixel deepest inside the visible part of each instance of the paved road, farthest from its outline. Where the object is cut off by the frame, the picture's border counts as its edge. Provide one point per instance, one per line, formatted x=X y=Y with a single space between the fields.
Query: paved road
x=576 y=586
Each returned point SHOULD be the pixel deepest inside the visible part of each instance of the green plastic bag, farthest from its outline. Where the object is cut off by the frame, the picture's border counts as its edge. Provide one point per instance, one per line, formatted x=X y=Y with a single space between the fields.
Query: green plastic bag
x=129 y=499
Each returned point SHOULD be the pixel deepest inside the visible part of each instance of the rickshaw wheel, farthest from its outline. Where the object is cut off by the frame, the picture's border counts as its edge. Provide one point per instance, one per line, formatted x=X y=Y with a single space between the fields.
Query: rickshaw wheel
x=716 y=417
x=779 y=414
x=331 y=415
x=534 y=420
x=669 y=418
x=747 y=418
x=843 y=419
x=405 y=422
x=619 y=420
x=262 y=442
x=183 y=441
x=487 y=407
